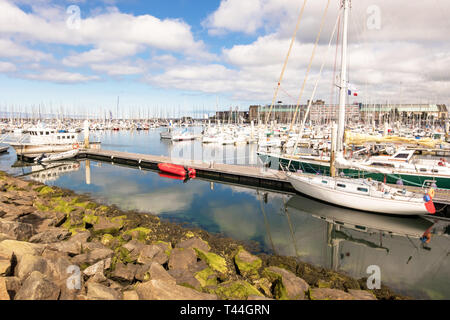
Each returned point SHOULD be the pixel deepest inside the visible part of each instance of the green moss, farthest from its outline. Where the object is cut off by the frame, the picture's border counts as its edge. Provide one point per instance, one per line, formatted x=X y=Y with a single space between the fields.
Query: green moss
x=237 y=290
x=206 y=277
x=247 y=268
x=189 y=234
x=107 y=239
x=90 y=219
x=41 y=207
x=139 y=233
x=45 y=190
x=279 y=289
x=324 y=284
x=213 y=260
x=122 y=254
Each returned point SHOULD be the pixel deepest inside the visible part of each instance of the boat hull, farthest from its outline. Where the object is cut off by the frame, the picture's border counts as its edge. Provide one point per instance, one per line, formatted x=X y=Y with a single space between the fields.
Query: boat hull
x=415 y=180
x=24 y=149
x=356 y=201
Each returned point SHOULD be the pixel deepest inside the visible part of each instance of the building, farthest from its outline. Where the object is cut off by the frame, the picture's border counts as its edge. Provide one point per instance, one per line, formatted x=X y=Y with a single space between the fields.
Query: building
x=319 y=113
x=405 y=113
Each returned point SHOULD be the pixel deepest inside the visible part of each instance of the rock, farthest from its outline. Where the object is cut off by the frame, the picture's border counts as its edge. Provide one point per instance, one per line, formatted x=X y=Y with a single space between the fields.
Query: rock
x=258 y=298
x=98 y=278
x=58 y=268
x=206 y=277
x=4 y=236
x=153 y=253
x=91 y=246
x=329 y=294
x=13 y=285
x=105 y=225
x=98 y=267
x=186 y=278
x=18 y=230
x=182 y=258
x=157 y=272
x=20 y=248
x=29 y=263
x=162 y=290
x=362 y=294
x=213 y=260
x=247 y=264
x=92 y=257
x=37 y=287
x=194 y=243
x=5 y=267
x=237 y=290
x=96 y=291
x=124 y=272
x=287 y=285
x=73 y=246
x=147 y=253
x=130 y=295
x=4 y=295
x=134 y=248
x=51 y=236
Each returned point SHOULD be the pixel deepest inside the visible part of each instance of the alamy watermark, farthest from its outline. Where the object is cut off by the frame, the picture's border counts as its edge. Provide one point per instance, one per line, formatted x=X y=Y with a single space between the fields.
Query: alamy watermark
x=373 y=17
x=374 y=280
x=73 y=20
x=74 y=280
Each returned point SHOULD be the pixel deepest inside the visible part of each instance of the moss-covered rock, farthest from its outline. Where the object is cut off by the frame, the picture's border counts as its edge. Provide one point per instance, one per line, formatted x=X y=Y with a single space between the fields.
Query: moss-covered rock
x=107 y=239
x=236 y=290
x=248 y=265
x=44 y=190
x=207 y=277
x=213 y=260
x=139 y=233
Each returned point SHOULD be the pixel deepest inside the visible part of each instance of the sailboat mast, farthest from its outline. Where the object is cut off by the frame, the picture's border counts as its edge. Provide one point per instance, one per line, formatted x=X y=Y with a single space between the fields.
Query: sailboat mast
x=343 y=87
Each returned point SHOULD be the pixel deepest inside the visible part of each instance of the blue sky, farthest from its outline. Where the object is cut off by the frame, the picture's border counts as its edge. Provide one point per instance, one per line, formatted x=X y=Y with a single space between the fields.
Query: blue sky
x=191 y=55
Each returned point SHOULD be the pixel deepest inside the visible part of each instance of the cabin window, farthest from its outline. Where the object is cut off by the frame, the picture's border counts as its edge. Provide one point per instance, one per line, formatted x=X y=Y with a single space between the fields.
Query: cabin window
x=402 y=156
x=363 y=189
x=340 y=185
x=435 y=171
x=47 y=133
x=42 y=133
x=423 y=170
x=58 y=137
x=63 y=137
x=324 y=181
x=360 y=227
x=73 y=137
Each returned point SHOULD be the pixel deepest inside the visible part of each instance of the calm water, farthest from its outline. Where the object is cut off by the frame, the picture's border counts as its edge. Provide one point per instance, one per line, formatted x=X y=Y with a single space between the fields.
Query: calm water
x=318 y=233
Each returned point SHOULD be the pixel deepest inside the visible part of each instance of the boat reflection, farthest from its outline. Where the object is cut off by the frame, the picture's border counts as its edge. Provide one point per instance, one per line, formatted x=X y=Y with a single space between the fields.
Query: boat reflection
x=355 y=240
x=51 y=172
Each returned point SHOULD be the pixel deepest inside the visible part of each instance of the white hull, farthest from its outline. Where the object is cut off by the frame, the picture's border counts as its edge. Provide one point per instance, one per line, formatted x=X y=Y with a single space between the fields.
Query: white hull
x=60 y=156
x=24 y=148
x=307 y=186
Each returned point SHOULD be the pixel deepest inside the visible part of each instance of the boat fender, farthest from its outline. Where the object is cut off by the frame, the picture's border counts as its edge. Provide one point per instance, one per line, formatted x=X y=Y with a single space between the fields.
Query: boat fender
x=431 y=193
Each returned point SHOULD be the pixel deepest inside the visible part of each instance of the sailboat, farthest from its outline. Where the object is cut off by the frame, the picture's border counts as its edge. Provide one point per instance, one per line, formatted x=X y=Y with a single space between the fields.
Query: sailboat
x=359 y=194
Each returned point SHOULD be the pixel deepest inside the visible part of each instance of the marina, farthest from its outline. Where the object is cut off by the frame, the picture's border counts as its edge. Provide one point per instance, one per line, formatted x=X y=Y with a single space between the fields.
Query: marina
x=269 y=151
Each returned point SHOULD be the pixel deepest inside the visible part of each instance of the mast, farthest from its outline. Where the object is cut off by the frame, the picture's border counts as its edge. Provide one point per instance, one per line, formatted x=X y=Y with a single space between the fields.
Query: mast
x=343 y=86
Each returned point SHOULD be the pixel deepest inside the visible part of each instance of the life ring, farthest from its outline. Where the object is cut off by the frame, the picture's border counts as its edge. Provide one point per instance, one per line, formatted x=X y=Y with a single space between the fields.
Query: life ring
x=75 y=146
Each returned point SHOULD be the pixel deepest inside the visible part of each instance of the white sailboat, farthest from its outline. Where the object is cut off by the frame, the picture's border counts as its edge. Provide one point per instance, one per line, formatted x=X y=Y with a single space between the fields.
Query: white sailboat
x=360 y=194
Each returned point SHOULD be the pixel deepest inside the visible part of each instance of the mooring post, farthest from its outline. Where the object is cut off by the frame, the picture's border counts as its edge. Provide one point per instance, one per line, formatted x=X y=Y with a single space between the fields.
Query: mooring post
x=86 y=134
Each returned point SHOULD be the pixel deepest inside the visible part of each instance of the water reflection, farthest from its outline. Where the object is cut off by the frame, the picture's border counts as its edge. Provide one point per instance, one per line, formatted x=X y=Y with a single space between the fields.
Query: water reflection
x=313 y=231
x=351 y=241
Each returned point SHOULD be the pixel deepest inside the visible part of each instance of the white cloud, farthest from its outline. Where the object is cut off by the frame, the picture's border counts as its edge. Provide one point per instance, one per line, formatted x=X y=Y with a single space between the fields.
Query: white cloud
x=60 y=76
x=7 y=67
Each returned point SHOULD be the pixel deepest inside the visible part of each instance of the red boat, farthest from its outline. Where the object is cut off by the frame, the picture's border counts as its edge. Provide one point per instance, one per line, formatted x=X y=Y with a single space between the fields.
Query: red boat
x=177 y=170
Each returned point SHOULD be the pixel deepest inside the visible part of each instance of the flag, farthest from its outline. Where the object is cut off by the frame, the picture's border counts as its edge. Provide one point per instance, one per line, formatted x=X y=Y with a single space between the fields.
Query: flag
x=352 y=88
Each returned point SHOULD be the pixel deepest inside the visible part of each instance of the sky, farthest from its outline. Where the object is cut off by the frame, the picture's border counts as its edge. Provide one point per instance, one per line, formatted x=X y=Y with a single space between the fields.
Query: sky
x=181 y=57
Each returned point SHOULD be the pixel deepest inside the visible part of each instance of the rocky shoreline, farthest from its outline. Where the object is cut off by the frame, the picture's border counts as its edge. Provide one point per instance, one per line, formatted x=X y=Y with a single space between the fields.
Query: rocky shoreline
x=57 y=245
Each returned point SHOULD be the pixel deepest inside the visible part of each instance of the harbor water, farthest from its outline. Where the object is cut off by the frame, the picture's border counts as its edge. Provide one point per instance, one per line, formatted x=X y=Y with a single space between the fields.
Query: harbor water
x=275 y=223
